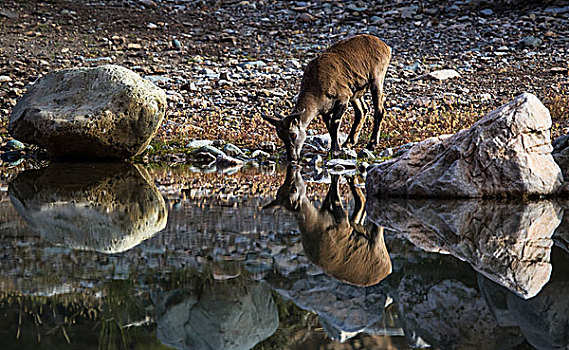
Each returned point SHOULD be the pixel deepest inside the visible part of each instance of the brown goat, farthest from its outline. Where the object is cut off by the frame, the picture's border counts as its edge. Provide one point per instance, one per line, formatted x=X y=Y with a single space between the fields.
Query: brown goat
x=339 y=75
x=341 y=245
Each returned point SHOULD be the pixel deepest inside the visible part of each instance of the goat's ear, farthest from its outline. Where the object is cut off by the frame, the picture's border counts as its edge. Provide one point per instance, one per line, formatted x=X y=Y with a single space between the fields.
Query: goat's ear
x=291 y=119
x=272 y=119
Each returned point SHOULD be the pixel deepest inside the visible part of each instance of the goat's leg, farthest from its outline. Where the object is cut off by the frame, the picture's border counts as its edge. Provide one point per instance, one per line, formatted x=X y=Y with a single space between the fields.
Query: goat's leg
x=378 y=112
x=333 y=203
x=359 y=212
x=333 y=125
x=360 y=114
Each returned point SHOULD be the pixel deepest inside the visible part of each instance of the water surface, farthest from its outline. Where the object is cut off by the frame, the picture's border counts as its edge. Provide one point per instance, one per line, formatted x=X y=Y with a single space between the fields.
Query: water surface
x=116 y=256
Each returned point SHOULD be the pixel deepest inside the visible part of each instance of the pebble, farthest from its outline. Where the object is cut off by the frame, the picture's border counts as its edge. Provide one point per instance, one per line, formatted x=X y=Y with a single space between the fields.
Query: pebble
x=305 y=17
x=442 y=74
x=15 y=145
x=232 y=150
x=177 y=44
x=5 y=79
x=259 y=154
x=531 y=42
x=487 y=12
x=199 y=143
x=366 y=154
x=268 y=146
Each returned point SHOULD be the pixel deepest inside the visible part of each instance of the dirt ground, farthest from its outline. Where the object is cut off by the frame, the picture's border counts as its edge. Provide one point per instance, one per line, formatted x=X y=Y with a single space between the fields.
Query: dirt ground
x=224 y=63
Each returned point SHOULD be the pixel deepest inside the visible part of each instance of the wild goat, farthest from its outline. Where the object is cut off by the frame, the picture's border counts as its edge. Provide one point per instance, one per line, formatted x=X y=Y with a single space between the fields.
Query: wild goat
x=339 y=75
x=341 y=245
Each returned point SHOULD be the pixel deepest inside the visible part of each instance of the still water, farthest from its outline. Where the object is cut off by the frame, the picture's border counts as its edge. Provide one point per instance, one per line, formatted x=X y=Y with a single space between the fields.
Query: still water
x=116 y=256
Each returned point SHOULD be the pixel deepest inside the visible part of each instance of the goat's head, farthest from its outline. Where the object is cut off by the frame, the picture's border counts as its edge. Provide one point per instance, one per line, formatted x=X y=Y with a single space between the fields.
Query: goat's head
x=291 y=131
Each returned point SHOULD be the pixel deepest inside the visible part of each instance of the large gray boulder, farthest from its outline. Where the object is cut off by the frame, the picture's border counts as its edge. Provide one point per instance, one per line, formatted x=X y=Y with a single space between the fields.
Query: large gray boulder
x=102 y=112
x=507 y=153
x=507 y=243
x=233 y=315
x=100 y=207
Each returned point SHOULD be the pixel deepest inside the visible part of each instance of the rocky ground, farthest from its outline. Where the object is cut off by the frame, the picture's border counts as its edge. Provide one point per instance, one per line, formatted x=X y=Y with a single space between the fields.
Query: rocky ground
x=224 y=63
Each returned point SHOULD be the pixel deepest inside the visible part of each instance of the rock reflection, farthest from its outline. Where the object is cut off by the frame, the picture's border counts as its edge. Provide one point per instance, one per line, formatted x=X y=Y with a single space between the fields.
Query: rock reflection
x=508 y=243
x=230 y=315
x=343 y=246
x=104 y=207
x=544 y=319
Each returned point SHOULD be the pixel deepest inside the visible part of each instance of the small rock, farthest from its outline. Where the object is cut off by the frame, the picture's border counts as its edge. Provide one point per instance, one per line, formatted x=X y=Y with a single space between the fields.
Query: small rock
x=151 y=26
x=386 y=153
x=253 y=64
x=233 y=151
x=347 y=154
x=487 y=12
x=148 y=3
x=339 y=164
x=177 y=44
x=293 y=64
x=440 y=75
x=223 y=160
x=134 y=46
x=199 y=143
x=210 y=150
x=353 y=7
x=9 y=14
x=305 y=17
x=258 y=154
x=366 y=154
x=5 y=79
x=15 y=145
x=531 y=42
x=12 y=157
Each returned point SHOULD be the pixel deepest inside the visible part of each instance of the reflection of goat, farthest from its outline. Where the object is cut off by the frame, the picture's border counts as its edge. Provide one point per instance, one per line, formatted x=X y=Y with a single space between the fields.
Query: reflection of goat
x=338 y=244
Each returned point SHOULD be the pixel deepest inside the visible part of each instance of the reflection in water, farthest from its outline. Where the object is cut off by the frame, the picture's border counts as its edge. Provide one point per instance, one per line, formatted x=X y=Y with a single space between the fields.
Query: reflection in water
x=341 y=245
x=544 y=319
x=508 y=243
x=231 y=315
x=104 y=207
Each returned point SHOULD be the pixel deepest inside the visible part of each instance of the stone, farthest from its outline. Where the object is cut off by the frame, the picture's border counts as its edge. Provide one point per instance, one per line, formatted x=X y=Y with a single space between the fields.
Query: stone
x=5 y=79
x=507 y=153
x=542 y=319
x=102 y=112
x=176 y=44
x=199 y=143
x=224 y=161
x=531 y=42
x=259 y=154
x=340 y=164
x=366 y=154
x=233 y=151
x=440 y=75
x=509 y=243
x=232 y=314
x=103 y=207
x=487 y=12
x=321 y=143
x=560 y=154
x=305 y=17
x=15 y=145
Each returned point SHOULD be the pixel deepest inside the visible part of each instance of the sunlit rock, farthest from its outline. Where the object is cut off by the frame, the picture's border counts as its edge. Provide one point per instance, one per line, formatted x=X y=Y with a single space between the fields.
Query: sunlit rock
x=508 y=243
x=101 y=112
x=105 y=207
x=230 y=315
x=507 y=153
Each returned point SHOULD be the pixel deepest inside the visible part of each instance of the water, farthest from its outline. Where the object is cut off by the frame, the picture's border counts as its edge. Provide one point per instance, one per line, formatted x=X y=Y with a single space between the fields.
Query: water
x=115 y=256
